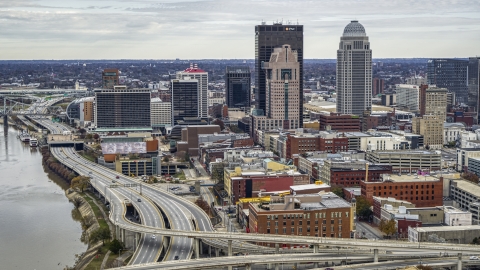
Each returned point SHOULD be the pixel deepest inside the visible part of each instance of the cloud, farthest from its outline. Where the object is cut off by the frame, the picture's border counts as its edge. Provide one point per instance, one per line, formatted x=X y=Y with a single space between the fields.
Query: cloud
x=225 y=28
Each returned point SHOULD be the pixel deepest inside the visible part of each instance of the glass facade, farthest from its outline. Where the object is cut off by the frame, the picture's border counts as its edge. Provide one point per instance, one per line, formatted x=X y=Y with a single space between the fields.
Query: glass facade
x=267 y=37
x=474 y=84
x=122 y=108
x=450 y=74
x=184 y=99
x=237 y=86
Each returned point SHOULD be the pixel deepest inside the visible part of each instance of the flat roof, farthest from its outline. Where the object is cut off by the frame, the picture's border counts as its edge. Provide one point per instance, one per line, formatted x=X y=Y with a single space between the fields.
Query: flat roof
x=309 y=186
x=447 y=228
x=468 y=186
x=123 y=129
x=411 y=178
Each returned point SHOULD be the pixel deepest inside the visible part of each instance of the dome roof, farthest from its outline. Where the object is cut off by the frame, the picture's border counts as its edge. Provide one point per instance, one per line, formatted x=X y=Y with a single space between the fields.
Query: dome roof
x=354 y=29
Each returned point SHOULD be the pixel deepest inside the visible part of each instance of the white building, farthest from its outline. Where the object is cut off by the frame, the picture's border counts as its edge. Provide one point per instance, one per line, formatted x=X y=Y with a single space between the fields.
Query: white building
x=202 y=76
x=463 y=154
x=384 y=143
x=354 y=57
x=466 y=136
x=452 y=131
x=217 y=100
x=160 y=112
x=407 y=96
x=457 y=217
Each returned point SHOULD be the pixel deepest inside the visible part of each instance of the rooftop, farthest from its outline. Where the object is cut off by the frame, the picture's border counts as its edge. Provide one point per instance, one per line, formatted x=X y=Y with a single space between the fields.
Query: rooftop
x=447 y=228
x=408 y=178
x=354 y=29
x=308 y=187
x=468 y=186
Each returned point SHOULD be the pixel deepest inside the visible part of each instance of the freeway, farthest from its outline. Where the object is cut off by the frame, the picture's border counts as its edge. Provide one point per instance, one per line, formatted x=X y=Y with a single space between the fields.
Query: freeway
x=149 y=248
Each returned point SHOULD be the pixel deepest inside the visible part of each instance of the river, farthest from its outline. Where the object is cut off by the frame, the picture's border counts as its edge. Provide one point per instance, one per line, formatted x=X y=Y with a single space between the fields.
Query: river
x=38 y=229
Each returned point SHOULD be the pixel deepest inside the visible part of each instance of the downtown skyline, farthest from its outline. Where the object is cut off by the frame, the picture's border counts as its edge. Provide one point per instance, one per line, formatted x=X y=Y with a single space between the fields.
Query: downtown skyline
x=142 y=29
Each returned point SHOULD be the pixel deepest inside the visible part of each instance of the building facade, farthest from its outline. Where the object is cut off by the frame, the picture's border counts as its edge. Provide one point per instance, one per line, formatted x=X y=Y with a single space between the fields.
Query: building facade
x=450 y=74
x=110 y=78
x=377 y=86
x=193 y=72
x=184 y=99
x=339 y=122
x=237 y=86
x=407 y=96
x=354 y=71
x=406 y=161
x=161 y=113
x=267 y=38
x=122 y=108
x=474 y=84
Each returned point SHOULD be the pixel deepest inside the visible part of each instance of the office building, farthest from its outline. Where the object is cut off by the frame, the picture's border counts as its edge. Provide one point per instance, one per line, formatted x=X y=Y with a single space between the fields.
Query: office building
x=193 y=72
x=450 y=74
x=110 y=78
x=407 y=96
x=377 y=86
x=185 y=99
x=283 y=101
x=267 y=38
x=339 y=122
x=474 y=84
x=161 y=113
x=237 y=86
x=122 y=108
x=406 y=161
x=433 y=101
x=354 y=71
x=431 y=128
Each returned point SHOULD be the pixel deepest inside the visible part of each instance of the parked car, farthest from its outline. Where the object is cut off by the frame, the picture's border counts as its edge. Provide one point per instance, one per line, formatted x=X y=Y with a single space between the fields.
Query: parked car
x=474 y=258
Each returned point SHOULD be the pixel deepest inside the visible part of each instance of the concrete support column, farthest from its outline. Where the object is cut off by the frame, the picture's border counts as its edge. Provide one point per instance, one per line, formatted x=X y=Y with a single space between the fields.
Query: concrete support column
x=459 y=262
x=230 y=248
x=295 y=266
x=201 y=246
x=375 y=255
x=122 y=235
x=248 y=267
x=277 y=266
x=137 y=239
x=217 y=252
x=117 y=232
x=277 y=248
x=210 y=251
x=196 y=248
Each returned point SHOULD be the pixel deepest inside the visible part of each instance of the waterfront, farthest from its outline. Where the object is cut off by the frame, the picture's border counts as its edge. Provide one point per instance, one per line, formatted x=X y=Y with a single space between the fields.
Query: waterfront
x=37 y=228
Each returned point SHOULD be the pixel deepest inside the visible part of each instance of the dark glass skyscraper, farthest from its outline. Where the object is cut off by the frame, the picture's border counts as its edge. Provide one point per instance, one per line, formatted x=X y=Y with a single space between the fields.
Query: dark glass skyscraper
x=237 y=86
x=267 y=37
x=450 y=74
x=184 y=99
x=474 y=84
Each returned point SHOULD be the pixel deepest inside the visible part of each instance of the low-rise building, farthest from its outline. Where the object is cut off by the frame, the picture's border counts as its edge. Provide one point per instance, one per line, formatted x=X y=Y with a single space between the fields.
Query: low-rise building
x=452 y=132
x=319 y=186
x=463 y=156
x=319 y=215
x=407 y=161
x=451 y=234
x=466 y=196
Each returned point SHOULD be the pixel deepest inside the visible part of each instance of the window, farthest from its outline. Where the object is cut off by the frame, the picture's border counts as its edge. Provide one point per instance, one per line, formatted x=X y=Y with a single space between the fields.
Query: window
x=299 y=223
x=276 y=223
x=332 y=221
x=284 y=230
x=268 y=230
x=268 y=223
x=293 y=223
x=293 y=230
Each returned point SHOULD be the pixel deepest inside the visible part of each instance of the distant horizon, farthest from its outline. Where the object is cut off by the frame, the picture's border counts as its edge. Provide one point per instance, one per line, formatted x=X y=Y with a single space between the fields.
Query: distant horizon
x=218 y=29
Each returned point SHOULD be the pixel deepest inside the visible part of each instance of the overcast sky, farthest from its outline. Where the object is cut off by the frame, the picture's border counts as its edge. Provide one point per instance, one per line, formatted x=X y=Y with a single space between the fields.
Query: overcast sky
x=194 y=29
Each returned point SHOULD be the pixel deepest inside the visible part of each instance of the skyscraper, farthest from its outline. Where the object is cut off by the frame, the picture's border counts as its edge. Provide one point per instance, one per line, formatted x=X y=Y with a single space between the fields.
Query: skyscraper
x=378 y=86
x=474 y=84
x=202 y=77
x=354 y=71
x=267 y=38
x=237 y=86
x=110 y=78
x=283 y=91
x=184 y=99
x=450 y=74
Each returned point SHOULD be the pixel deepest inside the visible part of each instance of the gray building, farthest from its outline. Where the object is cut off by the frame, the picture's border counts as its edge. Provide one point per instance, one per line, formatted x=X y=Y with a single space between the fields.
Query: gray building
x=354 y=71
x=408 y=161
x=450 y=74
x=474 y=84
x=122 y=108
x=237 y=86
x=267 y=38
x=185 y=95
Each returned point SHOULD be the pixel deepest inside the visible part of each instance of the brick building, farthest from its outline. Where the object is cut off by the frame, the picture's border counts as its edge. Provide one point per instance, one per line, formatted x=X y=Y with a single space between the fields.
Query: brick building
x=339 y=122
x=349 y=177
x=423 y=191
x=300 y=144
x=319 y=215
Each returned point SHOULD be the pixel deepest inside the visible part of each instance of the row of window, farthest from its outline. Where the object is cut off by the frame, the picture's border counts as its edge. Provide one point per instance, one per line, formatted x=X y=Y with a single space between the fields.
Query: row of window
x=300 y=223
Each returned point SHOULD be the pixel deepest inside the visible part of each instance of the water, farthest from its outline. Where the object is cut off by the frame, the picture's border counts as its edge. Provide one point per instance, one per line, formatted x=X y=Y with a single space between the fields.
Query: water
x=37 y=227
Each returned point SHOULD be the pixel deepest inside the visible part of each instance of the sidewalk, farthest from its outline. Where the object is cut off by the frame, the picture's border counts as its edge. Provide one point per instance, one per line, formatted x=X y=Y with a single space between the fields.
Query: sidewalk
x=369 y=231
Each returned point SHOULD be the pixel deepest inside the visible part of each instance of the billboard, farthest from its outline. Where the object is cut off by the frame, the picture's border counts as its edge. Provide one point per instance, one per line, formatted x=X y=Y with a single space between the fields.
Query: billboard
x=124 y=148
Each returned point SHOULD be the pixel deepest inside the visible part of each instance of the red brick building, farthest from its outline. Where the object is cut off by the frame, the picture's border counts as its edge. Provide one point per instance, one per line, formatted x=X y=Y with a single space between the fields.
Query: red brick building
x=302 y=144
x=377 y=86
x=339 y=122
x=423 y=191
x=350 y=177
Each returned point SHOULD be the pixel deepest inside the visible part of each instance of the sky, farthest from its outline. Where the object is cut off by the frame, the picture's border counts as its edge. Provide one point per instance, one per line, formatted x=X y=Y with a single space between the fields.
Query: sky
x=224 y=29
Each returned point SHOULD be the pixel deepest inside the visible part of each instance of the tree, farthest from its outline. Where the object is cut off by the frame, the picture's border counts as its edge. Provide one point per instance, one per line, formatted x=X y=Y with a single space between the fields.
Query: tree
x=217 y=171
x=166 y=159
x=100 y=234
x=424 y=267
x=89 y=136
x=338 y=191
x=219 y=123
x=115 y=246
x=388 y=226
x=96 y=136
x=475 y=241
x=203 y=204
x=80 y=182
x=363 y=208
x=470 y=176
x=236 y=129
x=77 y=202
x=82 y=132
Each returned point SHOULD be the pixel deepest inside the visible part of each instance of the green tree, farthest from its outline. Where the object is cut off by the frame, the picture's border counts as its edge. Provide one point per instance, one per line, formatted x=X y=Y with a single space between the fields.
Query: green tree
x=217 y=171
x=115 y=246
x=89 y=136
x=166 y=159
x=236 y=129
x=363 y=207
x=388 y=226
x=80 y=182
x=338 y=191
x=219 y=123
x=100 y=234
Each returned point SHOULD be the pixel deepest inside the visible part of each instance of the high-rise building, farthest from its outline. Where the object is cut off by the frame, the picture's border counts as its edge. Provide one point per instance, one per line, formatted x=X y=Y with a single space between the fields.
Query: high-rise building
x=407 y=96
x=474 y=84
x=185 y=97
x=122 y=108
x=433 y=101
x=450 y=74
x=283 y=91
x=237 y=86
x=267 y=38
x=354 y=71
x=378 y=86
x=431 y=127
x=201 y=76
x=161 y=113
x=110 y=78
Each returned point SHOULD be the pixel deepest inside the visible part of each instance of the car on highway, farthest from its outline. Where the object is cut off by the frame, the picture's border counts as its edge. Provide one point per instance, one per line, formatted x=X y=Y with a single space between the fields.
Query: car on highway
x=474 y=258
x=139 y=200
x=176 y=258
x=113 y=181
x=153 y=236
x=117 y=177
